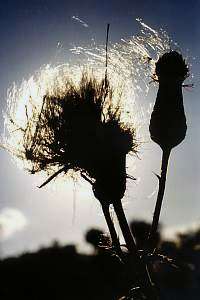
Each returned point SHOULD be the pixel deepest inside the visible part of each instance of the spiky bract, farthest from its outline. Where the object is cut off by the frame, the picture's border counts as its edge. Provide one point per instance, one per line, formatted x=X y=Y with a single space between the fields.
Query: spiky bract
x=171 y=66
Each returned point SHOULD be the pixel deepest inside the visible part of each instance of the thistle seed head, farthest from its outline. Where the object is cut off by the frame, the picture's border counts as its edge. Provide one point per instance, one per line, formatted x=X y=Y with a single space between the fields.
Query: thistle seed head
x=80 y=129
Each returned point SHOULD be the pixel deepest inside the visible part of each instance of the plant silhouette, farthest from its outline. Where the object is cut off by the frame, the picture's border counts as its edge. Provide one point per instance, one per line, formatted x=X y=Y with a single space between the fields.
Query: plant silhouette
x=168 y=122
x=79 y=129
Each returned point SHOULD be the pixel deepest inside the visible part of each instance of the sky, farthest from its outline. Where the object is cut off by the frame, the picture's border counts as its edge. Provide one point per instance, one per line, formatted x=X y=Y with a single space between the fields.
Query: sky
x=32 y=33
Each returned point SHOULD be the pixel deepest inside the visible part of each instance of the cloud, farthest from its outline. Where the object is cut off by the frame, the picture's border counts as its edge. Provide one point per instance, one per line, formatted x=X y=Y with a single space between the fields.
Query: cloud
x=76 y=18
x=11 y=221
x=172 y=231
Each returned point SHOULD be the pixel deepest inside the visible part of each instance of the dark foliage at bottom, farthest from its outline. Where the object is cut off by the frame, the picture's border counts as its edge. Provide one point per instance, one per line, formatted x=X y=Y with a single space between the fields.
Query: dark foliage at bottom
x=62 y=273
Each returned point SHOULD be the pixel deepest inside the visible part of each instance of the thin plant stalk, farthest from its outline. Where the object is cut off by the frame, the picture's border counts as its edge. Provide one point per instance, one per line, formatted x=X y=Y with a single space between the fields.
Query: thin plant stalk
x=128 y=237
x=111 y=227
x=107 y=37
x=162 y=181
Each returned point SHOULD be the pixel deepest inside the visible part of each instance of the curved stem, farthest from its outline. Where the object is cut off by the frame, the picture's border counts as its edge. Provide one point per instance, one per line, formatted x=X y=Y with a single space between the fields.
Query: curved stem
x=162 y=182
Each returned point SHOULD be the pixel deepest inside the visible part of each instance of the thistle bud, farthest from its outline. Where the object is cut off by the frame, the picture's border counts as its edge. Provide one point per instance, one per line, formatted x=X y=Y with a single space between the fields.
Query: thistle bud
x=168 y=122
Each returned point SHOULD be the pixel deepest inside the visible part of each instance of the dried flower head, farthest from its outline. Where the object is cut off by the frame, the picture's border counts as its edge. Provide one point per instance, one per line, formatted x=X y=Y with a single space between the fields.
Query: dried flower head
x=78 y=129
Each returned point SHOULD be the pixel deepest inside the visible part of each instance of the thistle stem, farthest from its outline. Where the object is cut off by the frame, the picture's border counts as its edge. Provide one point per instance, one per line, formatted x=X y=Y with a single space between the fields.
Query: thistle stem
x=136 y=262
x=161 y=190
x=128 y=237
x=111 y=227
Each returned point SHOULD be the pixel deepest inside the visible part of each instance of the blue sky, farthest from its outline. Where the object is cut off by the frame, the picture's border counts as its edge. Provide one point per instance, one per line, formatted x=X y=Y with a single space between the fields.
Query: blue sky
x=30 y=32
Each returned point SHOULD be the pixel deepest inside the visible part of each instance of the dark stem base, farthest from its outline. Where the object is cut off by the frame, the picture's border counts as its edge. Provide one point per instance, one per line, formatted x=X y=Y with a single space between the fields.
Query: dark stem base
x=136 y=263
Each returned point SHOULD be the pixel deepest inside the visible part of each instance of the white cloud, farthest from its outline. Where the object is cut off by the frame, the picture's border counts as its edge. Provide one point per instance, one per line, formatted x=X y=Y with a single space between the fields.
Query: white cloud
x=11 y=221
x=76 y=18
x=172 y=231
